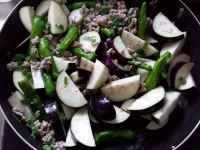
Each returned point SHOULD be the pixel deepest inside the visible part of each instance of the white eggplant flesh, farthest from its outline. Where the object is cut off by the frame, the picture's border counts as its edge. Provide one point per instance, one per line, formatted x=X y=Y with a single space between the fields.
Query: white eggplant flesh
x=68 y=111
x=90 y=41
x=56 y=17
x=144 y=73
x=26 y=15
x=151 y=40
x=17 y=76
x=174 y=48
x=171 y=100
x=81 y=128
x=38 y=82
x=65 y=9
x=70 y=139
x=61 y=63
x=127 y=104
x=68 y=93
x=85 y=64
x=43 y=8
x=144 y=60
x=182 y=72
x=134 y=42
x=76 y=17
x=179 y=58
x=121 y=116
x=154 y=126
x=75 y=77
x=164 y=27
x=189 y=83
x=149 y=102
x=122 y=89
x=120 y=47
x=99 y=76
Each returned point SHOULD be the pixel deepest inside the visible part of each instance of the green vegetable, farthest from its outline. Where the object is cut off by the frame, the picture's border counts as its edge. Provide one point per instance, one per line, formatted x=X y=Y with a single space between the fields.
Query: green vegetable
x=35 y=31
x=34 y=128
x=79 y=52
x=140 y=50
x=19 y=58
x=141 y=65
x=180 y=13
x=107 y=32
x=85 y=22
x=142 y=22
x=69 y=38
x=30 y=93
x=28 y=75
x=182 y=80
x=106 y=135
x=48 y=84
x=164 y=75
x=46 y=52
x=16 y=117
x=60 y=26
x=25 y=71
x=61 y=2
x=77 y=5
x=158 y=68
x=90 y=38
x=65 y=80
x=32 y=53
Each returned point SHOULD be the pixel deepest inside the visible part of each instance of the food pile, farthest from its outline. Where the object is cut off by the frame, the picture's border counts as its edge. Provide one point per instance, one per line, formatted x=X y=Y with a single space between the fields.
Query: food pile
x=96 y=62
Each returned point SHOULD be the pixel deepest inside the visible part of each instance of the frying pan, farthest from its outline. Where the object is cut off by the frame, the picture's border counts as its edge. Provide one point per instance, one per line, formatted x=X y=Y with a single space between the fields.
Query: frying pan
x=182 y=123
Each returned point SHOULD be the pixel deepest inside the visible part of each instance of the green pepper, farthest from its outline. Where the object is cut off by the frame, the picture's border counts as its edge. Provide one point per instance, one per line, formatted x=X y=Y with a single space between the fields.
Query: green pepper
x=31 y=94
x=141 y=50
x=106 y=135
x=33 y=127
x=69 y=38
x=79 y=52
x=46 y=52
x=48 y=84
x=107 y=32
x=142 y=22
x=36 y=30
x=77 y=5
x=158 y=68
x=164 y=74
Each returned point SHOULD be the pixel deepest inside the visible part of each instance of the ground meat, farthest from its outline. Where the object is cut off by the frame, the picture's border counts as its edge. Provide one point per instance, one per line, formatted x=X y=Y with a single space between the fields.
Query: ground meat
x=26 y=64
x=35 y=40
x=153 y=3
x=113 y=78
x=45 y=64
x=66 y=54
x=70 y=58
x=19 y=114
x=81 y=87
x=49 y=37
x=76 y=44
x=49 y=137
x=60 y=145
x=149 y=22
x=110 y=52
x=83 y=9
x=135 y=54
x=121 y=5
x=116 y=61
x=130 y=50
x=37 y=54
x=142 y=88
x=55 y=52
x=127 y=67
x=109 y=2
x=11 y=65
x=137 y=63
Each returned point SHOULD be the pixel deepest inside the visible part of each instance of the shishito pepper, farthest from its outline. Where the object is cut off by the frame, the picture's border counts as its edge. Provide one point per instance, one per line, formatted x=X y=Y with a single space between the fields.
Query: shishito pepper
x=69 y=38
x=79 y=52
x=106 y=135
x=77 y=5
x=142 y=22
x=158 y=68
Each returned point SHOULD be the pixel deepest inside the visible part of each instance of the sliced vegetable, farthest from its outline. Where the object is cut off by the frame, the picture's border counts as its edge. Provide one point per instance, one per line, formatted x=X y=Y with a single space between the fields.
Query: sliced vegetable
x=85 y=64
x=70 y=139
x=77 y=5
x=189 y=83
x=154 y=126
x=38 y=82
x=43 y=8
x=180 y=13
x=76 y=17
x=77 y=51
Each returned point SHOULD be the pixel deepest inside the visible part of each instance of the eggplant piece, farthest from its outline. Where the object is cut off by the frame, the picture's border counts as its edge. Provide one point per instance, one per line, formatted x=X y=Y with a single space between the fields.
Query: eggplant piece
x=121 y=52
x=84 y=64
x=81 y=128
x=127 y=104
x=154 y=126
x=149 y=102
x=121 y=116
x=99 y=76
x=179 y=58
x=76 y=17
x=70 y=139
x=90 y=41
x=43 y=8
x=76 y=77
x=102 y=107
x=115 y=68
x=68 y=111
x=171 y=100
x=53 y=116
x=164 y=29
x=123 y=89
x=179 y=71
x=91 y=115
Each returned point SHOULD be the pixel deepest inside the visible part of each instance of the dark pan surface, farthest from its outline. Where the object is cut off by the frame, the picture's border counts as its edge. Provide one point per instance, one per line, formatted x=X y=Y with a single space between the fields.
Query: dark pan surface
x=181 y=122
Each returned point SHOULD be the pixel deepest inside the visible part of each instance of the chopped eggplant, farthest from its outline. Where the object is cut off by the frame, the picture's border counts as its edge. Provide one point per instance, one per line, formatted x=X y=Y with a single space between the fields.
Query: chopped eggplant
x=85 y=64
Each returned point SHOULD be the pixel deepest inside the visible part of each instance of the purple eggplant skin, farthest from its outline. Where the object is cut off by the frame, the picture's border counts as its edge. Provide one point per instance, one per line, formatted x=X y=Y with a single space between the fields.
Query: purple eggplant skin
x=174 y=70
x=114 y=69
x=121 y=59
x=149 y=110
x=71 y=68
x=102 y=107
x=53 y=115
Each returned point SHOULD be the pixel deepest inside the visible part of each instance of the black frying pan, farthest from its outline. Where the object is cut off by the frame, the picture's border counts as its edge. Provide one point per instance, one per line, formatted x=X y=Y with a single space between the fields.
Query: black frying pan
x=181 y=122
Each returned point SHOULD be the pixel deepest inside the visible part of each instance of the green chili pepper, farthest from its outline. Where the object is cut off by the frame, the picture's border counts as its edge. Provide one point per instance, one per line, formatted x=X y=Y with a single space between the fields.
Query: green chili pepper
x=48 y=84
x=69 y=38
x=141 y=65
x=107 y=32
x=180 y=13
x=142 y=22
x=140 y=50
x=164 y=74
x=106 y=135
x=45 y=52
x=36 y=30
x=33 y=127
x=158 y=68
x=30 y=93
x=77 y=5
x=85 y=22
x=79 y=52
